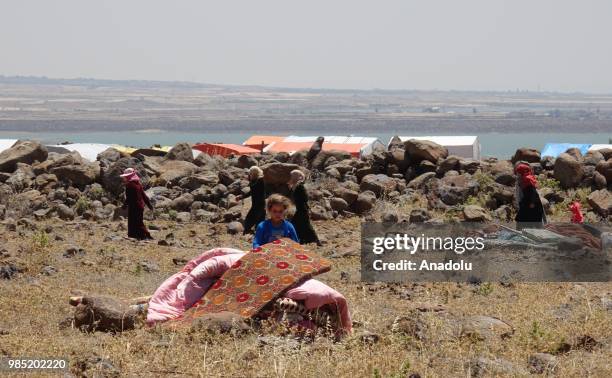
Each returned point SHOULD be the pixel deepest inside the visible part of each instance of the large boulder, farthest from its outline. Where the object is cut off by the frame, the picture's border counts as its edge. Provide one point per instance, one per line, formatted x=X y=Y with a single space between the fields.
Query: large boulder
x=605 y=169
x=321 y=160
x=78 y=174
x=379 y=184
x=454 y=190
x=530 y=155
x=365 y=202
x=419 y=150
x=568 y=171
x=278 y=173
x=346 y=194
x=173 y=171
x=109 y=156
x=112 y=181
x=180 y=151
x=26 y=151
x=198 y=180
x=601 y=202
x=22 y=178
x=246 y=161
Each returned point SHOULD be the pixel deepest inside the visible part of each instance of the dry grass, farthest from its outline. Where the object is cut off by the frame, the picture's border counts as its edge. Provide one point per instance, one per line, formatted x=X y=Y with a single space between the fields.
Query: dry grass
x=32 y=305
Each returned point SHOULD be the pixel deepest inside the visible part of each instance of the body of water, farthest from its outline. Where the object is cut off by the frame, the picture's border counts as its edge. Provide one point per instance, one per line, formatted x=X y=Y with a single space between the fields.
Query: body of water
x=492 y=144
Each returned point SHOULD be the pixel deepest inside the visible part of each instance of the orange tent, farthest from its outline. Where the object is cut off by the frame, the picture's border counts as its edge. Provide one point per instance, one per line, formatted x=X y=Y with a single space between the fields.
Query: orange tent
x=256 y=141
x=224 y=149
x=290 y=147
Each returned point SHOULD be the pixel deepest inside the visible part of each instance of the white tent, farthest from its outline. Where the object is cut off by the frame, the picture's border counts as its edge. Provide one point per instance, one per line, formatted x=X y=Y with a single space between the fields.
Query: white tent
x=5 y=144
x=465 y=146
x=88 y=151
x=597 y=147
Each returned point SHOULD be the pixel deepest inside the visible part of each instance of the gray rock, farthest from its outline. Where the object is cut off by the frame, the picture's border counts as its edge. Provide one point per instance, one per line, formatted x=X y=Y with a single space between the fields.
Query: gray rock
x=475 y=213
x=483 y=366
x=338 y=204
x=419 y=150
x=105 y=314
x=278 y=173
x=183 y=217
x=601 y=202
x=541 y=363
x=221 y=322
x=180 y=151
x=568 y=171
x=171 y=172
x=485 y=327
x=78 y=174
x=379 y=184
x=113 y=183
x=529 y=155
x=26 y=152
x=365 y=202
x=234 y=228
x=421 y=180
x=419 y=216
x=605 y=169
x=149 y=267
x=182 y=202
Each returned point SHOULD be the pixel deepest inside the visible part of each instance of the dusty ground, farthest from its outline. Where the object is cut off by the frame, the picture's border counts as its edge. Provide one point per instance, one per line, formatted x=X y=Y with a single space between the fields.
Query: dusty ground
x=572 y=321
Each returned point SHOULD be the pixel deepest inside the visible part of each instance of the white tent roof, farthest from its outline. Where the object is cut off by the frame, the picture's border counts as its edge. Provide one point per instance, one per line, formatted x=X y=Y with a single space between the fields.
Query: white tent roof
x=6 y=144
x=596 y=147
x=88 y=151
x=446 y=140
x=332 y=139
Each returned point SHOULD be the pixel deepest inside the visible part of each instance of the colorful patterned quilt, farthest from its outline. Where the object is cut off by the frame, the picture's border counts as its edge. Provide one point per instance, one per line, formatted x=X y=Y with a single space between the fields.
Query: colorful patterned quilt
x=258 y=278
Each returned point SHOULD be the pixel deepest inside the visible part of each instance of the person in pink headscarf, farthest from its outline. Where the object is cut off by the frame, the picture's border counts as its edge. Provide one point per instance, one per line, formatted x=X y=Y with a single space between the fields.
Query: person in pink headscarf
x=135 y=201
x=577 y=216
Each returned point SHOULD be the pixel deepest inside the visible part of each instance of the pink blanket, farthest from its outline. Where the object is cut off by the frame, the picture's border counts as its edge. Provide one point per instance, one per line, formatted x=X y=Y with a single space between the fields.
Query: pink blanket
x=182 y=290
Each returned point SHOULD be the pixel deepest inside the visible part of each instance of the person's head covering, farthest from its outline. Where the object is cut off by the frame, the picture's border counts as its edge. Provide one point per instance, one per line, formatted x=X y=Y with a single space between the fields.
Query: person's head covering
x=526 y=177
x=297 y=176
x=255 y=172
x=130 y=174
x=577 y=216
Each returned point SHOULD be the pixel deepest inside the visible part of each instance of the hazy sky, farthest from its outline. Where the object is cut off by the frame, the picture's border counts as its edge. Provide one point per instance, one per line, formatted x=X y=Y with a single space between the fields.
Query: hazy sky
x=558 y=45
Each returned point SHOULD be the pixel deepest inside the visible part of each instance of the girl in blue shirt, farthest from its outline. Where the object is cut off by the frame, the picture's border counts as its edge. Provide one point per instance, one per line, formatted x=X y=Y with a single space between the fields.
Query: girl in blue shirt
x=276 y=226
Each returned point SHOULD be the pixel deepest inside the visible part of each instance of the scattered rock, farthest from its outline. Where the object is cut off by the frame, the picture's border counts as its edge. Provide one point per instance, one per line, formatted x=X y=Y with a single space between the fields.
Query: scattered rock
x=475 y=213
x=541 y=363
x=568 y=171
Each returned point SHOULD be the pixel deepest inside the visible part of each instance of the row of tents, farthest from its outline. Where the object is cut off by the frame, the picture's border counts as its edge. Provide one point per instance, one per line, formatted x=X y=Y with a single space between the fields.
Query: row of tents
x=462 y=146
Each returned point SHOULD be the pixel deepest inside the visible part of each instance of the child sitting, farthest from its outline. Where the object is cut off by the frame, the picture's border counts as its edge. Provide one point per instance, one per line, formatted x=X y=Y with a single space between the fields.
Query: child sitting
x=276 y=227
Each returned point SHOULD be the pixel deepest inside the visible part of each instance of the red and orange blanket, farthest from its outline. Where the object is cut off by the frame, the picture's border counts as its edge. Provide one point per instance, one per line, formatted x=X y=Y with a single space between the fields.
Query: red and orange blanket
x=258 y=278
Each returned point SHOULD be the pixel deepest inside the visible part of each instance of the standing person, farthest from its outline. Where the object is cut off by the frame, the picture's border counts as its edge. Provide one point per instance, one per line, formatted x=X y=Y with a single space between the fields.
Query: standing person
x=135 y=201
x=257 y=213
x=301 y=218
x=530 y=210
x=276 y=227
x=314 y=150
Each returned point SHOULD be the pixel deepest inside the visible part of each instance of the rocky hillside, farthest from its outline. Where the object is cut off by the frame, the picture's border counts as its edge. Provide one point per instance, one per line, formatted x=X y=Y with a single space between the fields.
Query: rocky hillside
x=415 y=181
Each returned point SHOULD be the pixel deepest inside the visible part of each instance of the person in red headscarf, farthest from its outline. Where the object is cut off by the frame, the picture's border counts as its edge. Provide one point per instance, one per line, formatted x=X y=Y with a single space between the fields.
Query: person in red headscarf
x=530 y=210
x=135 y=201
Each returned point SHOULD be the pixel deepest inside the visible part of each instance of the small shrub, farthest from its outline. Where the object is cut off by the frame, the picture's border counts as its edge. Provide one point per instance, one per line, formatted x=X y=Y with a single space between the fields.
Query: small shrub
x=82 y=205
x=40 y=240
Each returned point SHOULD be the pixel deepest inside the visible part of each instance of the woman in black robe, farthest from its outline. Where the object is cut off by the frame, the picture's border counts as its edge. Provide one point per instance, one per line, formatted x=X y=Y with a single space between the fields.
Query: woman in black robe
x=135 y=201
x=530 y=210
x=301 y=218
x=257 y=213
